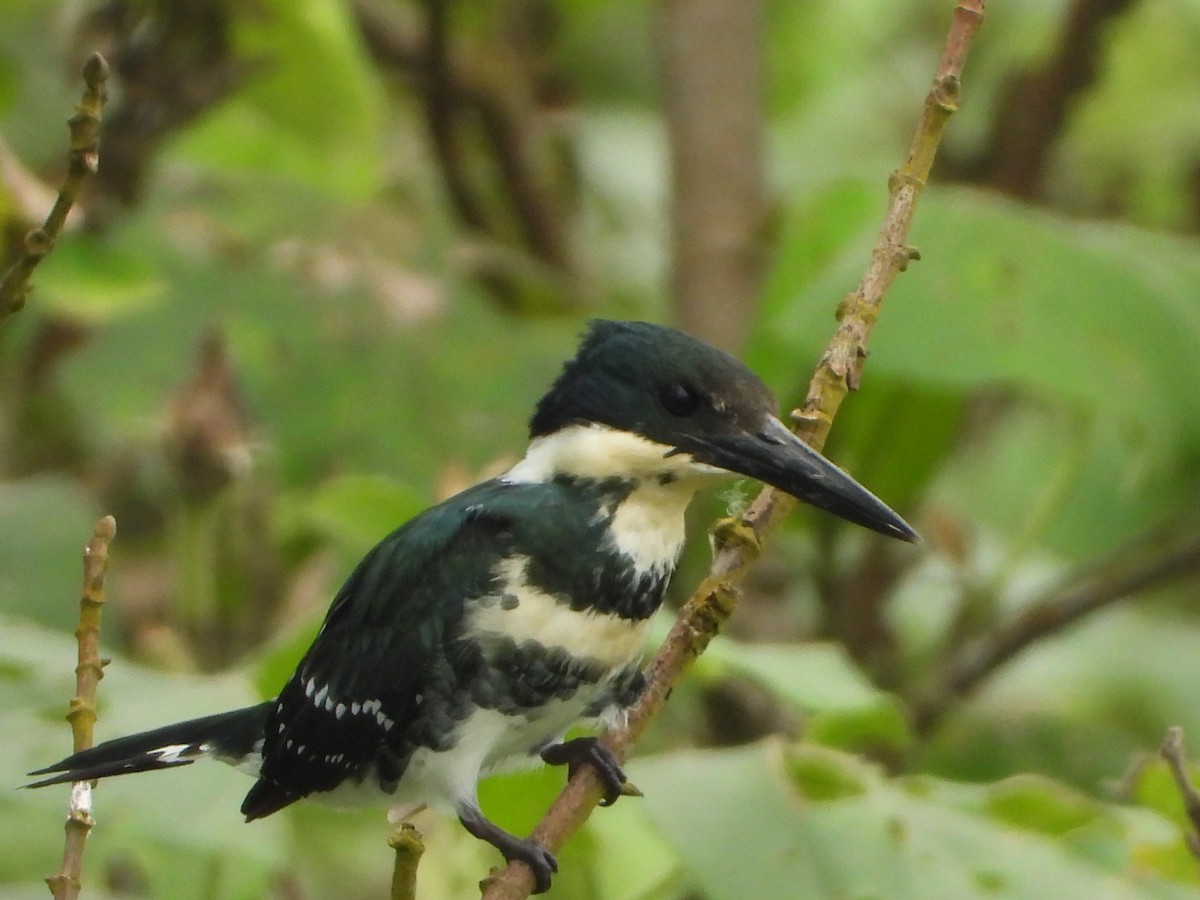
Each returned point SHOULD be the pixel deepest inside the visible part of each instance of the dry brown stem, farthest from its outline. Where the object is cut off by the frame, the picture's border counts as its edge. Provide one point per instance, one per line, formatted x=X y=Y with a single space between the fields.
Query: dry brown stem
x=83 y=160
x=1172 y=751
x=82 y=715
x=837 y=373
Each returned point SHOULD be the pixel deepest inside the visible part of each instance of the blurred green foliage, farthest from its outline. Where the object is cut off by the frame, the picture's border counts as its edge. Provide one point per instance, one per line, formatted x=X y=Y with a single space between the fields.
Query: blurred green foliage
x=1032 y=401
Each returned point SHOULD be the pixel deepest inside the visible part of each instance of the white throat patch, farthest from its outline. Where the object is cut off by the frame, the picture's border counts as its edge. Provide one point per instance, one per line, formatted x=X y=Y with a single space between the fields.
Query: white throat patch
x=598 y=452
x=648 y=525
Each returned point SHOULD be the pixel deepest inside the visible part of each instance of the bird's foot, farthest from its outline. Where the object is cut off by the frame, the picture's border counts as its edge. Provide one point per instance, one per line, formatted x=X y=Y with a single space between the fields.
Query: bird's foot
x=540 y=860
x=590 y=750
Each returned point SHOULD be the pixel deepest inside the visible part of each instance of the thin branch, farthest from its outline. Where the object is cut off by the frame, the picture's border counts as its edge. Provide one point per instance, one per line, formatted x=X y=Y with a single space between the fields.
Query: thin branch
x=66 y=883
x=976 y=662
x=1172 y=751
x=82 y=161
x=739 y=540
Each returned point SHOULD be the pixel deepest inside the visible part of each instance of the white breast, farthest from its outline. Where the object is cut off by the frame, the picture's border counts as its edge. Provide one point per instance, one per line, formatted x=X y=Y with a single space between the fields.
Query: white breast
x=605 y=638
x=648 y=526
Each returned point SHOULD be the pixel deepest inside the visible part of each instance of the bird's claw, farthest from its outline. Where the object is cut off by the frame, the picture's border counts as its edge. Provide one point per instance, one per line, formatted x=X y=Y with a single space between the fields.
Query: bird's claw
x=541 y=862
x=590 y=750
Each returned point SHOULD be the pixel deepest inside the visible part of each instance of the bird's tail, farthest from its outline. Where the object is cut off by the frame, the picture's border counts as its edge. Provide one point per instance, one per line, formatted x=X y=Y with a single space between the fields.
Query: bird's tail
x=232 y=737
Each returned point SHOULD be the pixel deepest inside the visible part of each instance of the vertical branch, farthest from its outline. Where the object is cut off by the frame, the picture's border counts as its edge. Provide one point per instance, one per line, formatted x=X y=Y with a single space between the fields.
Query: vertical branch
x=66 y=884
x=82 y=161
x=840 y=368
x=1176 y=759
x=703 y=616
x=711 y=57
x=407 y=843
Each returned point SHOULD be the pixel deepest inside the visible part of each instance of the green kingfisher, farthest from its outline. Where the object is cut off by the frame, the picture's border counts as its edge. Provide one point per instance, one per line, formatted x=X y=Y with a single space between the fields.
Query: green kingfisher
x=470 y=639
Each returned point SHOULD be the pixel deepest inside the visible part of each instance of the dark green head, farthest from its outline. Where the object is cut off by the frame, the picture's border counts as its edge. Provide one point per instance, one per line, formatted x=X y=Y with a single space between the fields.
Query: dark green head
x=652 y=381
x=691 y=398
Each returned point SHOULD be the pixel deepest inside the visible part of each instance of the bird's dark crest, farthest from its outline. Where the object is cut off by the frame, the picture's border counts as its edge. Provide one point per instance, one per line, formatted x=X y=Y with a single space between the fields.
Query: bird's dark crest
x=623 y=371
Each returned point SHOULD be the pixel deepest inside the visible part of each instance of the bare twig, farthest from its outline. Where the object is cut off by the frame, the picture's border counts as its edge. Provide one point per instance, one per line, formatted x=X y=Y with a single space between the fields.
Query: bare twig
x=838 y=372
x=82 y=716
x=83 y=160
x=407 y=843
x=1172 y=751
x=977 y=661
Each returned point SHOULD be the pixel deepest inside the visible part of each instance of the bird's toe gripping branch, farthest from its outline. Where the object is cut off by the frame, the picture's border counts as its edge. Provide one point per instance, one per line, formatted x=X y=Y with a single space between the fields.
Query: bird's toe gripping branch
x=591 y=751
x=540 y=860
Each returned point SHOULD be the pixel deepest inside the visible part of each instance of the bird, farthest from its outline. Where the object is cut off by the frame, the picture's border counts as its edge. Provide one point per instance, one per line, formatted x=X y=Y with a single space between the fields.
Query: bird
x=474 y=636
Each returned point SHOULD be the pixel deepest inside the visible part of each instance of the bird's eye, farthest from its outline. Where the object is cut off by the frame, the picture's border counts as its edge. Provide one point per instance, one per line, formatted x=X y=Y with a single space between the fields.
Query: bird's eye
x=679 y=399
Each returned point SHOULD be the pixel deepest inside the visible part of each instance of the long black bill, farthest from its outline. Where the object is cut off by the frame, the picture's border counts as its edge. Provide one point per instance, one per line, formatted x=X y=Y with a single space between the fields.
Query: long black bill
x=781 y=459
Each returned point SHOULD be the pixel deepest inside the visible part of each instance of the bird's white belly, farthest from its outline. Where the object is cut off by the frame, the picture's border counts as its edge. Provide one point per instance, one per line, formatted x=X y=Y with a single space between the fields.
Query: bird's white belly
x=487 y=742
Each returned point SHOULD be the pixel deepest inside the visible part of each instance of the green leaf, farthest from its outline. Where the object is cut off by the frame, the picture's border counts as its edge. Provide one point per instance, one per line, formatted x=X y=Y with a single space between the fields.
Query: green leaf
x=359 y=510
x=1071 y=484
x=744 y=826
x=95 y=280
x=813 y=676
x=1089 y=325
x=1103 y=315
x=830 y=230
x=1155 y=787
x=823 y=774
x=883 y=729
x=311 y=112
x=46 y=521
x=898 y=463
x=1082 y=705
x=648 y=867
x=1039 y=804
x=844 y=708
x=1151 y=162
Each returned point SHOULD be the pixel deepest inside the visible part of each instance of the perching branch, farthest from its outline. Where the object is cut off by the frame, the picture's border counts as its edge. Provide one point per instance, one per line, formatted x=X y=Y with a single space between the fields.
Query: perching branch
x=1176 y=759
x=66 y=884
x=838 y=372
x=978 y=660
x=82 y=161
